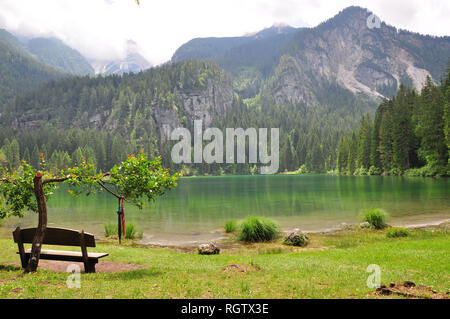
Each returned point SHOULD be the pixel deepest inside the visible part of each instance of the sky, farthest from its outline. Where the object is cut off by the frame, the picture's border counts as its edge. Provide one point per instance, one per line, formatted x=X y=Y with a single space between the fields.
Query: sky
x=99 y=29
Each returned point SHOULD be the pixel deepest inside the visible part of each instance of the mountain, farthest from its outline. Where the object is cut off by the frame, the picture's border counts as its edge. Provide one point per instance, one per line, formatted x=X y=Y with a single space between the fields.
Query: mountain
x=19 y=70
x=210 y=48
x=134 y=62
x=10 y=40
x=250 y=59
x=132 y=103
x=371 y=62
x=55 y=53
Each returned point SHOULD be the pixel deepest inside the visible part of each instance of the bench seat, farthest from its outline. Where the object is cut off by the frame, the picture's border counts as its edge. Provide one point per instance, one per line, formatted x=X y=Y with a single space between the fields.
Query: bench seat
x=64 y=255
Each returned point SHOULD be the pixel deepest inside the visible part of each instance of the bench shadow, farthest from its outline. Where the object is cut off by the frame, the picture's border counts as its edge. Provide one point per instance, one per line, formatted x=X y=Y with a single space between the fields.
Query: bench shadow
x=6 y=267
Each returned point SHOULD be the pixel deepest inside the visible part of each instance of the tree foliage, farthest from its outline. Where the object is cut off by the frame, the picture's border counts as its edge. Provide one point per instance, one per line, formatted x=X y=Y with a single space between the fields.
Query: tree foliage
x=137 y=179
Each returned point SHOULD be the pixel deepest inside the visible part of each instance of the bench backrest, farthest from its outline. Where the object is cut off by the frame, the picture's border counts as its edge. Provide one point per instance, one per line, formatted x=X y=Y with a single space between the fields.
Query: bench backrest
x=54 y=236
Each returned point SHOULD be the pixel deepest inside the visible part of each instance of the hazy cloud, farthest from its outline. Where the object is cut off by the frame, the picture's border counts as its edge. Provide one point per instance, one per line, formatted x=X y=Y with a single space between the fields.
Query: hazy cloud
x=100 y=28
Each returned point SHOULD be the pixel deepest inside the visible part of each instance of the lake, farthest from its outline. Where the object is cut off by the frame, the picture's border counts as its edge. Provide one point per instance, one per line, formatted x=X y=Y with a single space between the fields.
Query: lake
x=198 y=208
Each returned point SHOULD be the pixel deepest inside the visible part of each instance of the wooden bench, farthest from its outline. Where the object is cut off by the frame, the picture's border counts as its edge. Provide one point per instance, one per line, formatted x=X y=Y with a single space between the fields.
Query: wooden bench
x=61 y=237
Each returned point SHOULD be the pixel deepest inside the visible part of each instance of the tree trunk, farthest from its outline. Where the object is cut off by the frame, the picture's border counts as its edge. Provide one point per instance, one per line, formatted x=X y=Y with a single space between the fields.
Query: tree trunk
x=42 y=224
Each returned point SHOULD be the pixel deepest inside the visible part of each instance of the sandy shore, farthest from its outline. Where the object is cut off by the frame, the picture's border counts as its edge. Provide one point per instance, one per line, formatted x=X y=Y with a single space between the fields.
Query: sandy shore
x=218 y=236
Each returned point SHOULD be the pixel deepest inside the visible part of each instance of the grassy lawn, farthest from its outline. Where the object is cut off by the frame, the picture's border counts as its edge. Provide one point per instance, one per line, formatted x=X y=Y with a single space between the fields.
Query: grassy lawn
x=332 y=266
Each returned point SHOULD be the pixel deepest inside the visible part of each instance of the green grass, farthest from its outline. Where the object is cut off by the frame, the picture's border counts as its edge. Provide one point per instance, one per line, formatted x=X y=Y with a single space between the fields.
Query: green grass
x=231 y=226
x=258 y=229
x=333 y=266
x=397 y=232
x=377 y=218
x=131 y=231
x=110 y=230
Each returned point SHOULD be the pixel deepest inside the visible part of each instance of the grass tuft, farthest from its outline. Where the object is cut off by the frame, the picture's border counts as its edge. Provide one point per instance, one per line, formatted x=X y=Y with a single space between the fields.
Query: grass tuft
x=131 y=232
x=258 y=229
x=376 y=218
x=230 y=226
x=110 y=230
x=398 y=232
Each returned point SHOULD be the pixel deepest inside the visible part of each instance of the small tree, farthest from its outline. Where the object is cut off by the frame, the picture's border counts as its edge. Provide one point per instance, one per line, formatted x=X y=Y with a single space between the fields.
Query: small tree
x=137 y=180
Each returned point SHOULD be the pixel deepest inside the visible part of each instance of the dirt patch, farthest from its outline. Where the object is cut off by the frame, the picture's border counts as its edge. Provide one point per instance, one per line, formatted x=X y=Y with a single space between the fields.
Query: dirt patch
x=409 y=289
x=102 y=267
x=240 y=268
x=16 y=290
x=6 y=281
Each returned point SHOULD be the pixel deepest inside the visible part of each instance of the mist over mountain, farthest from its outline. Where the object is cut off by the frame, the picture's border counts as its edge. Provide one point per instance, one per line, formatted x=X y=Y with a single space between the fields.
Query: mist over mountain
x=133 y=62
x=55 y=53
x=20 y=70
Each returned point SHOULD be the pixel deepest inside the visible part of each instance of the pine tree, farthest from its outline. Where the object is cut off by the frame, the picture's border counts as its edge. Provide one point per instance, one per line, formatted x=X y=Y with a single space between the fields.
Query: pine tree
x=35 y=157
x=364 y=143
x=351 y=162
x=402 y=130
x=342 y=155
x=385 y=146
x=26 y=156
x=14 y=153
x=431 y=127
x=374 y=153
x=447 y=122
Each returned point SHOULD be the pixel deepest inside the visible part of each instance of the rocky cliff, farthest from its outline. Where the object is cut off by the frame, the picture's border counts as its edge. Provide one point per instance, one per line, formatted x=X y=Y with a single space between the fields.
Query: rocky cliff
x=363 y=57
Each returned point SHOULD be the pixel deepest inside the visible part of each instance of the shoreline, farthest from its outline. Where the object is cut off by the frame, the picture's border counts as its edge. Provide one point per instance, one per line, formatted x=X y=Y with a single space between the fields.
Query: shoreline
x=188 y=243
x=224 y=238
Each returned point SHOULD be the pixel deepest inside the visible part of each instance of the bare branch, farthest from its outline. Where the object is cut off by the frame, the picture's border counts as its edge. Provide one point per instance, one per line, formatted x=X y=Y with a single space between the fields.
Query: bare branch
x=56 y=180
x=102 y=184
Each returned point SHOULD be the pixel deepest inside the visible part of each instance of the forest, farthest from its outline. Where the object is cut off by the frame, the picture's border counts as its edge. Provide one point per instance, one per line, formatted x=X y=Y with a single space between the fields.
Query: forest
x=408 y=134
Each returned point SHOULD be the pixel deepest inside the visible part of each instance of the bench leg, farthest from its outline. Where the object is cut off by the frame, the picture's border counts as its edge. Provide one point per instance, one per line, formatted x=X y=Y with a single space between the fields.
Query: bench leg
x=89 y=267
x=24 y=260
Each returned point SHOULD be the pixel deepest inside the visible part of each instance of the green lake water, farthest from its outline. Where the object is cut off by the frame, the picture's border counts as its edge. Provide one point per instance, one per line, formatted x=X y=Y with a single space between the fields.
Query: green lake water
x=197 y=210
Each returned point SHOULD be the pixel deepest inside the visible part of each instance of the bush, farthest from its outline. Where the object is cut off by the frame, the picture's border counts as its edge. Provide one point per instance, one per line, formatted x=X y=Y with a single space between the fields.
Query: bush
x=398 y=232
x=428 y=171
x=376 y=218
x=395 y=172
x=302 y=170
x=230 y=226
x=374 y=171
x=258 y=229
x=110 y=230
x=362 y=171
x=132 y=232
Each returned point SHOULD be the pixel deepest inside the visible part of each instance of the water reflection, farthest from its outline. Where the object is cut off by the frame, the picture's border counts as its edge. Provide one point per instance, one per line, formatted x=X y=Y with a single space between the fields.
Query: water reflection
x=311 y=202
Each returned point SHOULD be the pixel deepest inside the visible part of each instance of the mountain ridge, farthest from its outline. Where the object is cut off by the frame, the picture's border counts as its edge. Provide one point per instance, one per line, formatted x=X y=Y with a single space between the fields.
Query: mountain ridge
x=54 y=52
x=20 y=70
x=344 y=49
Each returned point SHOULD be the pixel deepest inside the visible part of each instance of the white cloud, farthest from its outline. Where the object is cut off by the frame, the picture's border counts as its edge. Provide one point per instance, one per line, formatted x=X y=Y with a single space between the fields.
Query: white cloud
x=100 y=28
